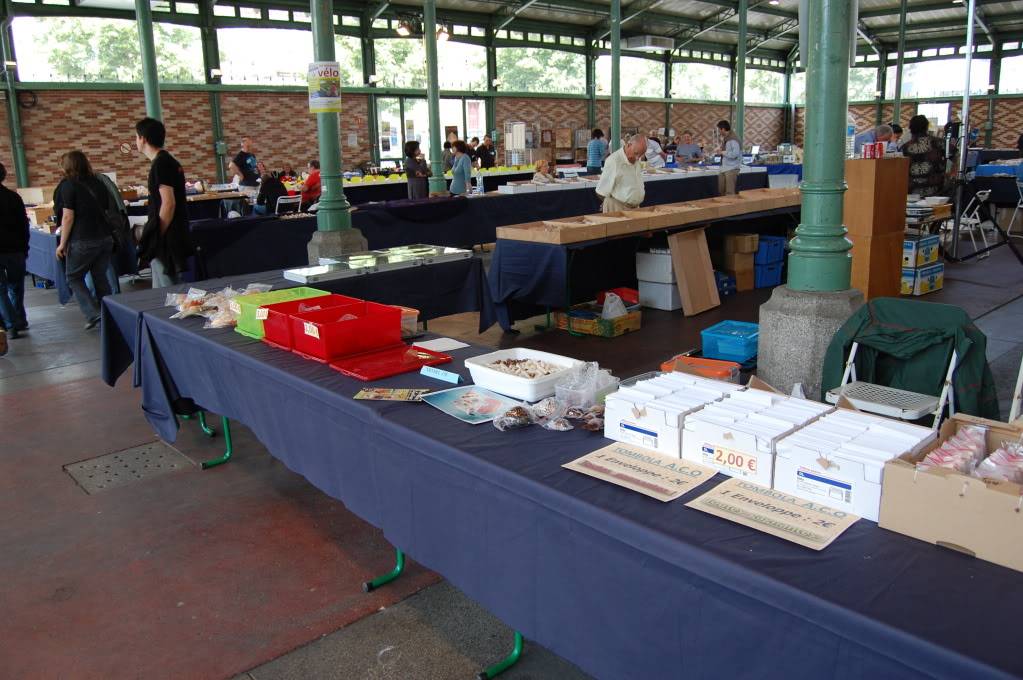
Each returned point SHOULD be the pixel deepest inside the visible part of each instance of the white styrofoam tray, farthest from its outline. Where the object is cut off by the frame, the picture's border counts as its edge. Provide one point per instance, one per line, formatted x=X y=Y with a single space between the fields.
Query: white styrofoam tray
x=512 y=385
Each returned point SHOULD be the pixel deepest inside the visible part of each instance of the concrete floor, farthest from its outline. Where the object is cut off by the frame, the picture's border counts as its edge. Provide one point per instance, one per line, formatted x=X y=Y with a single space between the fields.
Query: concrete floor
x=415 y=628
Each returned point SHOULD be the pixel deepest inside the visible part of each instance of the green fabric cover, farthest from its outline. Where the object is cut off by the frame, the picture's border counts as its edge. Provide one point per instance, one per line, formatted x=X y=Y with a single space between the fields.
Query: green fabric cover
x=907 y=344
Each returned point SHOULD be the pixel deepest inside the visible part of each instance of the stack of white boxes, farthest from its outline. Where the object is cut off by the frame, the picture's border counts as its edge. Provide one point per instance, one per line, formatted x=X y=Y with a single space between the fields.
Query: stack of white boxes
x=657 y=286
x=651 y=413
x=838 y=460
x=737 y=435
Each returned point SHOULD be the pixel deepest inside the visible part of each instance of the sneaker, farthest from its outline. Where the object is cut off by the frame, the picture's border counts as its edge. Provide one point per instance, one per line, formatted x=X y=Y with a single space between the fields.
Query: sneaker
x=13 y=334
x=92 y=324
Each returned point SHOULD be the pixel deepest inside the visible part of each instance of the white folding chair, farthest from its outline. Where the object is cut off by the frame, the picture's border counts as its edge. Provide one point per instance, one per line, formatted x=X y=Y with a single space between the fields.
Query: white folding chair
x=972 y=221
x=293 y=203
x=1019 y=207
x=1017 y=395
x=890 y=401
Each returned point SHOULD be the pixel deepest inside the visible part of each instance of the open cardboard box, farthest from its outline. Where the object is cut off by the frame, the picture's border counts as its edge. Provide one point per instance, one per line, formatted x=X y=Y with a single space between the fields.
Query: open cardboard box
x=632 y=221
x=974 y=516
x=584 y=227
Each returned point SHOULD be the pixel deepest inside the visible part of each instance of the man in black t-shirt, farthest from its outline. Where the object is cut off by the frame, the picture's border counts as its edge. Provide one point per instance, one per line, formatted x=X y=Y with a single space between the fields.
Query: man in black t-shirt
x=244 y=164
x=486 y=153
x=14 y=237
x=166 y=243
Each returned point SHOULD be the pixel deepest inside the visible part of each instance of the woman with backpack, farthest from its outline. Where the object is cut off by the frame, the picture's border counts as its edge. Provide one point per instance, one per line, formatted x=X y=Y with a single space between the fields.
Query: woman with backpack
x=86 y=243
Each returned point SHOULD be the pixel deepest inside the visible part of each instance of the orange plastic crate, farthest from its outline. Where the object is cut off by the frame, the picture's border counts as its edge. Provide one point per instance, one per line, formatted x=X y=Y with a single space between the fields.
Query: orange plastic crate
x=708 y=368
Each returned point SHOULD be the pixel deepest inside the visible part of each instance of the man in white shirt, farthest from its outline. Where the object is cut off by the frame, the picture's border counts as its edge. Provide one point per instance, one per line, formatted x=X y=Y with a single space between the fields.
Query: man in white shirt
x=621 y=184
x=731 y=159
x=655 y=156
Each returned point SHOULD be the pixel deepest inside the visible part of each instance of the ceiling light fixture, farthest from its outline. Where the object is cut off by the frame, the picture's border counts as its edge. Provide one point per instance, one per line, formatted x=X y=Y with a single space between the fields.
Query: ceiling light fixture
x=442 y=34
x=404 y=28
x=774 y=2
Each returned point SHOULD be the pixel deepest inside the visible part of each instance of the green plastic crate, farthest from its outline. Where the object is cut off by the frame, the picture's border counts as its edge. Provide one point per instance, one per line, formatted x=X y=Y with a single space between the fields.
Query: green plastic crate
x=245 y=307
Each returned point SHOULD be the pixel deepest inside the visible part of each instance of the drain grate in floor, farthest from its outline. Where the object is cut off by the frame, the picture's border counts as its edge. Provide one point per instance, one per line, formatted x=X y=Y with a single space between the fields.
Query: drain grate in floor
x=126 y=467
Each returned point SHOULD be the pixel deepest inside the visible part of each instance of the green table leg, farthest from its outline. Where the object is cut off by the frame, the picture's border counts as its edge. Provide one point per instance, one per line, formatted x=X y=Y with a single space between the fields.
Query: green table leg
x=206 y=429
x=399 y=566
x=229 y=448
x=505 y=663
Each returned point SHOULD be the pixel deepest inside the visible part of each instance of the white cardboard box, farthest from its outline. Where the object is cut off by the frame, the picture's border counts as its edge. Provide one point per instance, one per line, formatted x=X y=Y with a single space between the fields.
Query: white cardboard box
x=659 y=296
x=737 y=436
x=654 y=267
x=831 y=463
x=652 y=413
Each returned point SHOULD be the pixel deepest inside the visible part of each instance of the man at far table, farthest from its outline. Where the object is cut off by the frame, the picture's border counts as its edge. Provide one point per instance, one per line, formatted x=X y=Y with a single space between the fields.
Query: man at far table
x=882 y=133
x=731 y=159
x=486 y=153
x=621 y=184
x=687 y=150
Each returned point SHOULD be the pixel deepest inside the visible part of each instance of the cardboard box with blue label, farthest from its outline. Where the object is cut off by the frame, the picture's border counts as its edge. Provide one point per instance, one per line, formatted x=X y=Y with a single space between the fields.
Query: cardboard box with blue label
x=924 y=280
x=920 y=250
x=652 y=412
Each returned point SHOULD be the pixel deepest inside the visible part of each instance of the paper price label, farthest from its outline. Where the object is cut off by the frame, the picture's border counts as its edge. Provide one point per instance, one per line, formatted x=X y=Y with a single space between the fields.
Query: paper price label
x=738 y=463
x=311 y=330
x=262 y=313
x=235 y=307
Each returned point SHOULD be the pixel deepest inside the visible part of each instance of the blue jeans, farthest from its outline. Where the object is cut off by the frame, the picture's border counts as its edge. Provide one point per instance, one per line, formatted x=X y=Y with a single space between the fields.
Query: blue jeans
x=89 y=257
x=12 y=290
x=259 y=210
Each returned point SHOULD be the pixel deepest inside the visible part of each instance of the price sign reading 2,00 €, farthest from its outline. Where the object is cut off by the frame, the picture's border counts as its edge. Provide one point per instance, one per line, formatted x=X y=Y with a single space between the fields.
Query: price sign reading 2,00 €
x=741 y=464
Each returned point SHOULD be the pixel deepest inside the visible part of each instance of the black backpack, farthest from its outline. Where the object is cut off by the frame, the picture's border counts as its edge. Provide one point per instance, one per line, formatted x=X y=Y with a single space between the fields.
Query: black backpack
x=115 y=220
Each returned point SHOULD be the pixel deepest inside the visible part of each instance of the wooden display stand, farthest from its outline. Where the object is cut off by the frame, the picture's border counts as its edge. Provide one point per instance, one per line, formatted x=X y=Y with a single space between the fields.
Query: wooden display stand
x=875 y=215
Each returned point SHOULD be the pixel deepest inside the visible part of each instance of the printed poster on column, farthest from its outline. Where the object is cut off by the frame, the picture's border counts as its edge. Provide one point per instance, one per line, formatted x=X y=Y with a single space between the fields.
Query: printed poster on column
x=324 y=87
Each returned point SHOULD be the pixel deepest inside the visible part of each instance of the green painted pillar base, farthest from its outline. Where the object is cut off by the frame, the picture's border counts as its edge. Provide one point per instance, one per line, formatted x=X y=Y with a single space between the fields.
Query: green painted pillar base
x=820 y=272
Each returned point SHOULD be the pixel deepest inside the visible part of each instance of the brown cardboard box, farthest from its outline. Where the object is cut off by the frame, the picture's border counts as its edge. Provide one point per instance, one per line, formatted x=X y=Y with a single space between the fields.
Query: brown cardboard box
x=877 y=264
x=744 y=279
x=953 y=510
x=741 y=243
x=690 y=259
x=39 y=214
x=875 y=202
x=738 y=261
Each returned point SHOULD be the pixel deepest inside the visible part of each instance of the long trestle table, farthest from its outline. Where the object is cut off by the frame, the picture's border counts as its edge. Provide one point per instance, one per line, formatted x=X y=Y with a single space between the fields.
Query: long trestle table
x=620 y=584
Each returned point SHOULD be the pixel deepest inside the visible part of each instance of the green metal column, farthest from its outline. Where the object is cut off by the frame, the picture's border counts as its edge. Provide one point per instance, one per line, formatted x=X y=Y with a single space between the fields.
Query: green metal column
x=994 y=78
x=901 y=61
x=437 y=183
x=667 y=92
x=591 y=87
x=740 y=76
x=147 y=48
x=369 y=68
x=820 y=259
x=211 y=65
x=616 y=75
x=882 y=85
x=491 y=88
x=333 y=212
x=10 y=76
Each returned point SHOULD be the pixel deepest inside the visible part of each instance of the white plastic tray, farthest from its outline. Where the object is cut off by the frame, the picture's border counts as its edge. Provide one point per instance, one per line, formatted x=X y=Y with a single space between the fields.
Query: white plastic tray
x=512 y=385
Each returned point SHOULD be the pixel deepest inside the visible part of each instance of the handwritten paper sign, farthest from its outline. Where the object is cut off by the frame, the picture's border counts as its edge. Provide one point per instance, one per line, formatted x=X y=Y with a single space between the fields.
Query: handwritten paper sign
x=807 y=523
x=641 y=470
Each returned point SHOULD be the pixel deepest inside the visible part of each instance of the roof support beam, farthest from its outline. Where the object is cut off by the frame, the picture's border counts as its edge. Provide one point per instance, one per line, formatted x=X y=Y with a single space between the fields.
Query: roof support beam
x=375 y=12
x=514 y=13
x=633 y=15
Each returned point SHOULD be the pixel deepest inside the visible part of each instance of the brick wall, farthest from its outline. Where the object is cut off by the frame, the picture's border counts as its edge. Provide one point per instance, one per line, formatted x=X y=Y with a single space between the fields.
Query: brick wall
x=283 y=131
x=700 y=119
x=908 y=111
x=6 y=155
x=765 y=126
x=99 y=123
x=541 y=114
x=645 y=116
x=1008 y=123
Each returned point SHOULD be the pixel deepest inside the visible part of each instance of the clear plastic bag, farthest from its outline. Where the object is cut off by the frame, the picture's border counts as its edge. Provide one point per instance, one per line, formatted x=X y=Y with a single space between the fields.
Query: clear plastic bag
x=962 y=452
x=1005 y=464
x=613 y=306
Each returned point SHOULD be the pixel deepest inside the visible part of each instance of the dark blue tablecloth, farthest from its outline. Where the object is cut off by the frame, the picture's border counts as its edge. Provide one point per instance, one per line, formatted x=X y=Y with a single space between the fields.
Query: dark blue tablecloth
x=784 y=169
x=526 y=278
x=1004 y=191
x=253 y=244
x=620 y=584
x=435 y=290
x=368 y=192
x=988 y=155
x=44 y=263
x=197 y=210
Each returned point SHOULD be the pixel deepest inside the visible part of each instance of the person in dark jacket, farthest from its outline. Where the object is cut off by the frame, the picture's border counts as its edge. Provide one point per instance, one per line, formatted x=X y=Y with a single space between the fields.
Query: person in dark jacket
x=416 y=171
x=86 y=243
x=270 y=189
x=13 y=254
x=165 y=243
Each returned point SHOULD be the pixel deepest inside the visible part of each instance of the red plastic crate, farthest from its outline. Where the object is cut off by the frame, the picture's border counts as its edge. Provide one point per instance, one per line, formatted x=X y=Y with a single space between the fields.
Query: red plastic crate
x=277 y=325
x=325 y=335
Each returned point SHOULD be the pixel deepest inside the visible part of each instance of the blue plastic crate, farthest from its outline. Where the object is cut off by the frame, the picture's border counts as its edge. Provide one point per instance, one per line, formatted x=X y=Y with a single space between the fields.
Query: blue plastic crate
x=730 y=341
x=767 y=275
x=770 y=250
